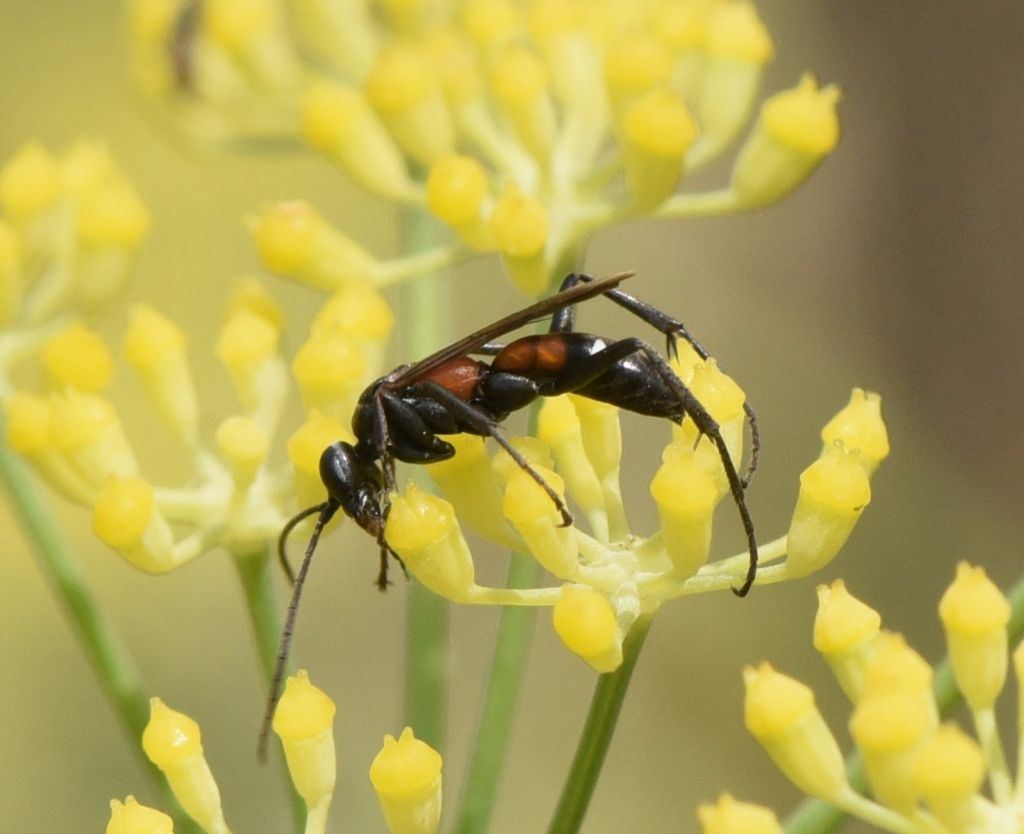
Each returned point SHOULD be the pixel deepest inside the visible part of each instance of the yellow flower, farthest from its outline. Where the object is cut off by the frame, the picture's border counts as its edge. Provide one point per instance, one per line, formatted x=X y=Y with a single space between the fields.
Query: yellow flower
x=523 y=131
x=70 y=226
x=237 y=497
x=919 y=773
x=613 y=574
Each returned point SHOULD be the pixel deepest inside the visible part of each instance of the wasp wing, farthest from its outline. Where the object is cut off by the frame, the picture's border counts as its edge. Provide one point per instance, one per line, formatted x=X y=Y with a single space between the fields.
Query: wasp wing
x=469 y=344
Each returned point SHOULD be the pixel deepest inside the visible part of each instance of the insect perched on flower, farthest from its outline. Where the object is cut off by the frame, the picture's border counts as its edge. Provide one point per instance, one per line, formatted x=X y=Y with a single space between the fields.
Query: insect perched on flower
x=400 y=415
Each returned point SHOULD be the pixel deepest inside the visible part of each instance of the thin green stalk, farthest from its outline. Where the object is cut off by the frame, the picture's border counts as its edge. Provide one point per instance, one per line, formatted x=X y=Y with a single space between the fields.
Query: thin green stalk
x=515 y=625
x=813 y=816
x=106 y=652
x=511 y=650
x=425 y=303
x=255 y=572
x=596 y=737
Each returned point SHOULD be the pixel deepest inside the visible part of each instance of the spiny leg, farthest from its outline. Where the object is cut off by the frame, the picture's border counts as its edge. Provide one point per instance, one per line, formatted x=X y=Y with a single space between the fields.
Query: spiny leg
x=327 y=511
x=672 y=329
x=485 y=426
x=604 y=360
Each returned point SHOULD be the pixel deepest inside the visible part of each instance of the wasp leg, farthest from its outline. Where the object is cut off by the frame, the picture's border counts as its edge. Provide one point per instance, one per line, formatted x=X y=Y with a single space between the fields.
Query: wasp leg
x=483 y=425
x=590 y=369
x=672 y=329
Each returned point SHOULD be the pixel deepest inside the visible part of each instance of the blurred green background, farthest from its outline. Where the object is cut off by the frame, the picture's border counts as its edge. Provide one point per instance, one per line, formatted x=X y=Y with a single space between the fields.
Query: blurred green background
x=898 y=268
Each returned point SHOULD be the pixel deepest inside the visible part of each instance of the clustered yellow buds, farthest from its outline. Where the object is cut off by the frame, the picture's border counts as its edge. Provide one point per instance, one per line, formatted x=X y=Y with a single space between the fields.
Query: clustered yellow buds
x=70 y=226
x=523 y=130
x=915 y=766
x=613 y=576
x=236 y=497
x=406 y=774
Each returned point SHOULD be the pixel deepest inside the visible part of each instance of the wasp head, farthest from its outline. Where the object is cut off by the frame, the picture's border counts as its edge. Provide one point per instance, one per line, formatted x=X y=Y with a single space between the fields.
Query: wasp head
x=355 y=484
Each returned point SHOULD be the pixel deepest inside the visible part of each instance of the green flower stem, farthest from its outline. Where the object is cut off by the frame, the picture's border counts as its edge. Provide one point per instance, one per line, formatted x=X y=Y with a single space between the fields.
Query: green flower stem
x=424 y=321
x=597 y=735
x=511 y=649
x=814 y=816
x=255 y=572
x=106 y=652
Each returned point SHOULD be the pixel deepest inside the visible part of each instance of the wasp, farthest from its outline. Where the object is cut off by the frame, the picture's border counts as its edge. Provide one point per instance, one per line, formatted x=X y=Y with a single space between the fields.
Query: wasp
x=401 y=416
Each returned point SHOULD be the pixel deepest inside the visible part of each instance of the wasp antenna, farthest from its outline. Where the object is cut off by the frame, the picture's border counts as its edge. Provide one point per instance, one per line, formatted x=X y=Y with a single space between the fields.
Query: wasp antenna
x=282 y=556
x=327 y=510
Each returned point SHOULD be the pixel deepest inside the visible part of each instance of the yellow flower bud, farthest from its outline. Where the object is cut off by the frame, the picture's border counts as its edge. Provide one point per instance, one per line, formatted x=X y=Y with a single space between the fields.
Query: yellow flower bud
x=585 y=621
x=172 y=742
x=975 y=614
x=833 y=493
x=357 y=311
x=559 y=428
x=729 y=816
x=29 y=182
x=244 y=445
x=250 y=294
x=423 y=530
x=295 y=242
x=248 y=347
x=657 y=132
x=155 y=346
x=77 y=356
x=133 y=818
x=686 y=496
x=796 y=130
x=859 y=425
x=304 y=721
x=28 y=423
x=87 y=165
x=124 y=511
x=309 y=441
x=490 y=22
x=602 y=441
x=844 y=632
x=456 y=189
x=520 y=226
x=331 y=371
x=235 y=23
x=780 y=713
x=113 y=216
x=949 y=769
x=736 y=47
x=895 y=665
x=723 y=399
x=536 y=518
x=406 y=774
x=246 y=341
x=403 y=90
x=455 y=64
x=338 y=121
x=86 y=431
x=889 y=727
x=633 y=65
x=519 y=80
x=125 y=518
x=470 y=482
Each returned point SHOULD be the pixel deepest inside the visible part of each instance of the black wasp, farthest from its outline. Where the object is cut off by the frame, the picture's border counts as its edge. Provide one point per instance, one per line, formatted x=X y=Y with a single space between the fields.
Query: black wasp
x=400 y=416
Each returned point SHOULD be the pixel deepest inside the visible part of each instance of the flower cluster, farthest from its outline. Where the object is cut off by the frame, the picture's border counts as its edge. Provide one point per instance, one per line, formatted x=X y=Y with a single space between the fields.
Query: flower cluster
x=235 y=497
x=521 y=127
x=406 y=773
x=612 y=576
x=70 y=226
x=924 y=775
